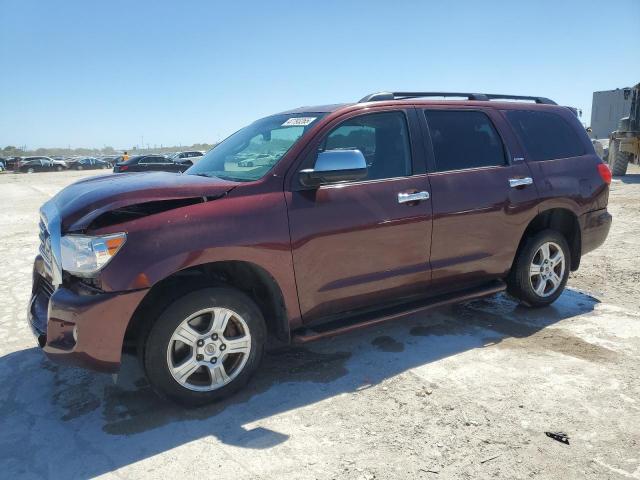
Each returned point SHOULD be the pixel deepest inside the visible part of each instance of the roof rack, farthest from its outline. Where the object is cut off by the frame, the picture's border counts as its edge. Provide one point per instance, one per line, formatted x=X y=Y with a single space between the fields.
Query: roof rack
x=382 y=96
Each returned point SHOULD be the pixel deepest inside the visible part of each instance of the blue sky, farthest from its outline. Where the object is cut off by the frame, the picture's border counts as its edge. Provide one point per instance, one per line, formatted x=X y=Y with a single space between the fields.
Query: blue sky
x=89 y=73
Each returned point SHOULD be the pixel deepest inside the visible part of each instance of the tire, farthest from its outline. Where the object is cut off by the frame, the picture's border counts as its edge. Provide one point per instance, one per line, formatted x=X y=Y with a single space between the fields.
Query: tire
x=522 y=282
x=166 y=357
x=618 y=160
x=79 y=167
x=30 y=170
x=59 y=168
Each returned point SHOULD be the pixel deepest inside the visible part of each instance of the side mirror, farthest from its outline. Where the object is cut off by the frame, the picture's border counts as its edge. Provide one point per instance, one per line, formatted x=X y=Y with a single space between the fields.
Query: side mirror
x=333 y=166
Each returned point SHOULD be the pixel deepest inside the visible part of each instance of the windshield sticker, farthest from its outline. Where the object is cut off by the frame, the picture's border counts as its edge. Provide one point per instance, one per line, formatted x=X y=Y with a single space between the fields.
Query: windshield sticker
x=299 y=121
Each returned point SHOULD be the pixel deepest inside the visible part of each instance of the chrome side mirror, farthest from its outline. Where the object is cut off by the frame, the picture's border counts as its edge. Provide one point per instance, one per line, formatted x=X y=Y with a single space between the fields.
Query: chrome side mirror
x=334 y=166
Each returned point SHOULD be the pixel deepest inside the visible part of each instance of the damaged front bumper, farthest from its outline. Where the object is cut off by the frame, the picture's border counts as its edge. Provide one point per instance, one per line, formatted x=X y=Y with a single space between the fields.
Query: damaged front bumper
x=80 y=326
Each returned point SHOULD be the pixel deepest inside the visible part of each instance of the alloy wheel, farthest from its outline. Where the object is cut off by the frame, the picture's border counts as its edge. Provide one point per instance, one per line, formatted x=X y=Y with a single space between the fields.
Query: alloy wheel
x=209 y=349
x=547 y=269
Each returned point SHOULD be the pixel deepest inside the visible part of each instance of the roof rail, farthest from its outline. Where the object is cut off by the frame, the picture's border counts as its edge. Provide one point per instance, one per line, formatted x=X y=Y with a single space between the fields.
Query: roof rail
x=382 y=96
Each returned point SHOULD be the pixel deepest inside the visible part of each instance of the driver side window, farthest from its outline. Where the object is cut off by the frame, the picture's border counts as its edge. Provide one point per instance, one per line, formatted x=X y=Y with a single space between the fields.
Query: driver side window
x=382 y=138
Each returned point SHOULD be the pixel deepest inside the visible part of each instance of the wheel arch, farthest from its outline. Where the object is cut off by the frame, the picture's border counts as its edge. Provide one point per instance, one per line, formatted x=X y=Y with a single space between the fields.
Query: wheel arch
x=247 y=277
x=562 y=220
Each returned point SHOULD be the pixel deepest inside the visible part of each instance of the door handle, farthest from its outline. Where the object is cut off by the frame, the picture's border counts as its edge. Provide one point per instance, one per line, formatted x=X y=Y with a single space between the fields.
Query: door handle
x=412 y=197
x=520 y=182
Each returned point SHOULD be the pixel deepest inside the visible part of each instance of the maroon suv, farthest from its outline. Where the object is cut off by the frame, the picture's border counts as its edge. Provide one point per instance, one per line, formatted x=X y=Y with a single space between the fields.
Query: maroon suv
x=314 y=222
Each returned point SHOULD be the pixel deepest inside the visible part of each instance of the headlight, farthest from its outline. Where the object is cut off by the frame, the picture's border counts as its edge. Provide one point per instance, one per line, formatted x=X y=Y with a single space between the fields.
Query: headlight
x=85 y=256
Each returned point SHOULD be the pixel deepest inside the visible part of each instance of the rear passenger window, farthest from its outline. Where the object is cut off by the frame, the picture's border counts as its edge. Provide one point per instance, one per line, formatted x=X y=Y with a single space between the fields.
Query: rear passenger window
x=545 y=136
x=464 y=139
x=382 y=138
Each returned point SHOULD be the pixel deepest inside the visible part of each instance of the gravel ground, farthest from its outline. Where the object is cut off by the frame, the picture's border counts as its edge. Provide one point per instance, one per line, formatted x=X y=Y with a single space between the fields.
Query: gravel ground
x=464 y=392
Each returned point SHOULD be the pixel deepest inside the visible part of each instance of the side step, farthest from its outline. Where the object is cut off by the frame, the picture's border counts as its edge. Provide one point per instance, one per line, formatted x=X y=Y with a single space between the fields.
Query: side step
x=338 y=327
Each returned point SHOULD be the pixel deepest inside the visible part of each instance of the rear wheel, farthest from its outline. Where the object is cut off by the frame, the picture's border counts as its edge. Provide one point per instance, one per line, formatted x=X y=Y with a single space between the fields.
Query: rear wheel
x=30 y=170
x=204 y=346
x=541 y=269
x=618 y=160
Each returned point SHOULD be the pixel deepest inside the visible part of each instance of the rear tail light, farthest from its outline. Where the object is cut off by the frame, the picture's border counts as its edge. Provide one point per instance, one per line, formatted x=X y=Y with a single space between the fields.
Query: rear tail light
x=605 y=173
x=123 y=168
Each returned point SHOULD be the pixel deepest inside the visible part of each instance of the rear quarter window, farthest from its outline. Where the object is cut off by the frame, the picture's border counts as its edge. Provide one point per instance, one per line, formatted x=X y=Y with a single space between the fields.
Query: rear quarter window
x=545 y=135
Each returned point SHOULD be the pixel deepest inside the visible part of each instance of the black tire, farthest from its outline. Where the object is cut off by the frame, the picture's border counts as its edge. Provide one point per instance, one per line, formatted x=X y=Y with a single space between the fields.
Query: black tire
x=519 y=283
x=618 y=160
x=155 y=360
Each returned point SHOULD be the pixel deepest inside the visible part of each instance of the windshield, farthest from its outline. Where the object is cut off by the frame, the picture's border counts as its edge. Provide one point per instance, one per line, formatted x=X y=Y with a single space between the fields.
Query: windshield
x=250 y=153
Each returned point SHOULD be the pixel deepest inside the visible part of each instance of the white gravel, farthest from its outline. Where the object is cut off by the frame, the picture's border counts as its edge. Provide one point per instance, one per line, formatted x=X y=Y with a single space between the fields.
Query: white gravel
x=464 y=392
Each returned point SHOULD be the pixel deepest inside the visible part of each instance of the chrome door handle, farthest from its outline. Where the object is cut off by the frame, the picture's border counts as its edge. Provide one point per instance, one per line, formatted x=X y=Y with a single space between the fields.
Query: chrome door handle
x=412 y=197
x=520 y=182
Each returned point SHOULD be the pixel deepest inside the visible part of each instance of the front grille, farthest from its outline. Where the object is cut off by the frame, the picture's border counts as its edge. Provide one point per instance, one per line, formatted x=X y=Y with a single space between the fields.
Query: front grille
x=45 y=287
x=45 y=247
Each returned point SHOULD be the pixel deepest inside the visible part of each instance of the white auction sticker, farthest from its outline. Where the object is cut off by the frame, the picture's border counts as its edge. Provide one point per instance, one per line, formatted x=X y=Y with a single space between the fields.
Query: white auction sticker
x=298 y=121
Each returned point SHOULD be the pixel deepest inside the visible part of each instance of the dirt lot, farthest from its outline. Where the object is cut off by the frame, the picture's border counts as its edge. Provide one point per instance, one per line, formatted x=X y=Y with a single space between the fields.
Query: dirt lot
x=464 y=392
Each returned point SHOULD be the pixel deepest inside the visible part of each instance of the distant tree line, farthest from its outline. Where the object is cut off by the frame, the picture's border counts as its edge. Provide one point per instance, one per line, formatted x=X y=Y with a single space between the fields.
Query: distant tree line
x=12 y=151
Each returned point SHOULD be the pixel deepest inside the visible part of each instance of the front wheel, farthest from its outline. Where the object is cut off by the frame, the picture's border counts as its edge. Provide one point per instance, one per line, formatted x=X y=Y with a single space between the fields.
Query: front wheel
x=204 y=346
x=541 y=269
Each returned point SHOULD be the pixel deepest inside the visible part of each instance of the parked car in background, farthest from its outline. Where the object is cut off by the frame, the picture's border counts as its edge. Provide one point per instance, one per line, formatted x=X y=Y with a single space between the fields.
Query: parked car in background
x=62 y=163
x=39 y=164
x=192 y=156
x=13 y=163
x=89 y=163
x=2 y=165
x=111 y=159
x=150 y=163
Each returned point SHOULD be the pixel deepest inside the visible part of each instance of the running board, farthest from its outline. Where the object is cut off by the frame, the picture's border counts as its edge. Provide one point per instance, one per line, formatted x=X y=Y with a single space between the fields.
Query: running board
x=338 y=327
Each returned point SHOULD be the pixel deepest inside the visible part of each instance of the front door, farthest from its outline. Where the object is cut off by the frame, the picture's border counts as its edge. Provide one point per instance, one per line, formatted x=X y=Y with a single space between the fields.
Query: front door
x=361 y=244
x=482 y=198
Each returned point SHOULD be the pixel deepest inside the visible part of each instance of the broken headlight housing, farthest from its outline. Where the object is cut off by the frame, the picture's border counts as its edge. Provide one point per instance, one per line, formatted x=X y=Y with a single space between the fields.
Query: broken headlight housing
x=85 y=256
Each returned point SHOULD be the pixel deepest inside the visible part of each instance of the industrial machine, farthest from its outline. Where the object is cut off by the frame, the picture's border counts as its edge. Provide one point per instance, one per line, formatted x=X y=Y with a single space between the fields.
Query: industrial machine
x=624 y=143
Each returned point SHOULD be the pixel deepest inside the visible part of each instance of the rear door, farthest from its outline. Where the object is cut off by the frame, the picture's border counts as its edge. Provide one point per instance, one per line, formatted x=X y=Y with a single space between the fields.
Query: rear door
x=359 y=244
x=483 y=198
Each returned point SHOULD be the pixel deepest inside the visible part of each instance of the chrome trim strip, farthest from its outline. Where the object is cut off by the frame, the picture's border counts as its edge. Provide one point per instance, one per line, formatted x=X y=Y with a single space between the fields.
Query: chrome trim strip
x=51 y=218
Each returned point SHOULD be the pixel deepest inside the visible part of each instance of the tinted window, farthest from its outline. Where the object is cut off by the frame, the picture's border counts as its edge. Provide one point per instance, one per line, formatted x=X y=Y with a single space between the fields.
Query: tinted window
x=545 y=135
x=464 y=139
x=381 y=137
x=133 y=160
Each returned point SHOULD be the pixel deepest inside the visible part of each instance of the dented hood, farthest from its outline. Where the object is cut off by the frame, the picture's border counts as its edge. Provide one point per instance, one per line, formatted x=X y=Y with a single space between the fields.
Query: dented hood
x=82 y=202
